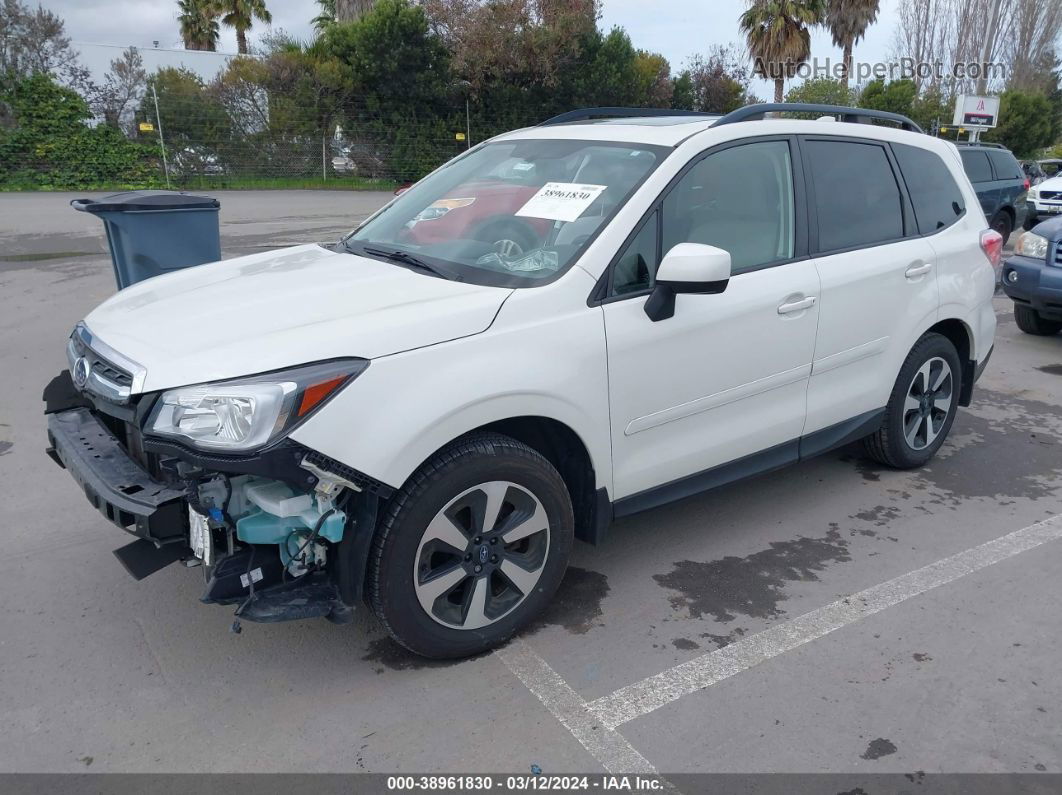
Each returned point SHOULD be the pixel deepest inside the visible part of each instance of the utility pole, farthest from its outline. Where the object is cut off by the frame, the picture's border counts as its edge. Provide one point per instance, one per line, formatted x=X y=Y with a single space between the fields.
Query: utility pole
x=162 y=142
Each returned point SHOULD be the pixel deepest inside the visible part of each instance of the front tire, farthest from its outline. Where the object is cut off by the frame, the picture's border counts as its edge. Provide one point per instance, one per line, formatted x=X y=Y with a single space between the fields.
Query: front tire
x=922 y=405
x=1030 y=321
x=472 y=548
x=1003 y=224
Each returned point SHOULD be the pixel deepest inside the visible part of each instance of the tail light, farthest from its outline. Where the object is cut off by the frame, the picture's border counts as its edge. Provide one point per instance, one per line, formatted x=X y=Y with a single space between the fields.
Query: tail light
x=1027 y=183
x=992 y=245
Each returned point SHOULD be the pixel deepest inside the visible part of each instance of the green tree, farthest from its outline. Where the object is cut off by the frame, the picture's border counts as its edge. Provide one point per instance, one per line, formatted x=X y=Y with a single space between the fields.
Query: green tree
x=653 y=75
x=848 y=21
x=1026 y=123
x=326 y=15
x=897 y=96
x=821 y=91
x=240 y=16
x=49 y=144
x=779 y=38
x=199 y=24
x=682 y=95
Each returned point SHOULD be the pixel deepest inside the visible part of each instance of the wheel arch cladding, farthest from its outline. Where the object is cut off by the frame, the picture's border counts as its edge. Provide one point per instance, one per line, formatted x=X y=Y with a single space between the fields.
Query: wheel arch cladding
x=961 y=337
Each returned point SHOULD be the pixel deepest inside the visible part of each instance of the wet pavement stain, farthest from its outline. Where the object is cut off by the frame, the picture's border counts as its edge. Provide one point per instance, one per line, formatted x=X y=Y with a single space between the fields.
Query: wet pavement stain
x=880 y=515
x=870 y=470
x=1051 y=369
x=685 y=644
x=577 y=603
x=879 y=748
x=387 y=653
x=724 y=640
x=753 y=585
x=5 y=447
x=921 y=657
x=1023 y=434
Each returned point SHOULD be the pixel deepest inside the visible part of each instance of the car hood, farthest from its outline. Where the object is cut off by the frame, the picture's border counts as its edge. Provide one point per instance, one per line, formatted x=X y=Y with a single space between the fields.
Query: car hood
x=1055 y=183
x=284 y=308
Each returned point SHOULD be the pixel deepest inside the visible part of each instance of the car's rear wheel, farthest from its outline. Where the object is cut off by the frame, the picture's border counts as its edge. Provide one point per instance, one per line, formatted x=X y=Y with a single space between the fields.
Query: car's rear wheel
x=1031 y=322
x=1003 y=224
x=471 y=548
x=922 y=405
x=1029 y=222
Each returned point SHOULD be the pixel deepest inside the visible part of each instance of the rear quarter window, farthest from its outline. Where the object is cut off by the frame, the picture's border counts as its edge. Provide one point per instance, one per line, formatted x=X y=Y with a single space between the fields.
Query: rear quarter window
x=975 y=161
x=935 y=195
x=1004 y=164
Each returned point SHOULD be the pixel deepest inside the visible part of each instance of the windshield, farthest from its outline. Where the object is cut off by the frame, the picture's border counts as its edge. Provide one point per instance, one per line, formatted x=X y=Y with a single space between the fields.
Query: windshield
x=509 y=213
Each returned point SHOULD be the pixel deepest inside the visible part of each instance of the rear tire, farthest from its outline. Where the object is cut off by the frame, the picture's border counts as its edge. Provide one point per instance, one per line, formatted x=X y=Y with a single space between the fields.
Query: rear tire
x=922 y=405
x=1029 y=222
x=1003 y=224
x=1030 y=321
x=443 y=602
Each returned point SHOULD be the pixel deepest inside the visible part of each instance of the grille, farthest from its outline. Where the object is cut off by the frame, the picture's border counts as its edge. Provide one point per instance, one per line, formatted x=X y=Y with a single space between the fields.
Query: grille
x=1058 y=254
x=1049 y=194
x=102 y=367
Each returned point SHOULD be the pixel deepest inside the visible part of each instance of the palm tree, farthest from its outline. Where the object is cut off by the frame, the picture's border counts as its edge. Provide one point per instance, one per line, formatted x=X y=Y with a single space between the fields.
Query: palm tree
x=778 y=37
x=240 y=15
x=199 y=24
x=848 y=21
x=352 y=10
x=326 y=17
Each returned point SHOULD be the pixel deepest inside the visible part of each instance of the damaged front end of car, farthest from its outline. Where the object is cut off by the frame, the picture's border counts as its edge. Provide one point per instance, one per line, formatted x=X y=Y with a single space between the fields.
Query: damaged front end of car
x=206 y=475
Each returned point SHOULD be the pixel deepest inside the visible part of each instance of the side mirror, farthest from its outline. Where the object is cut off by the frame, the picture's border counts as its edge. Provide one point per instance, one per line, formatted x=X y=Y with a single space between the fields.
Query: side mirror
x=687 y=268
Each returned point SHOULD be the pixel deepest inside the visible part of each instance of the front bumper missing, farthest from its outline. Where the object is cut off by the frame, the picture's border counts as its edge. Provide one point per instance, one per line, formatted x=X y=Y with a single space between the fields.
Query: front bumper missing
x=113 y=482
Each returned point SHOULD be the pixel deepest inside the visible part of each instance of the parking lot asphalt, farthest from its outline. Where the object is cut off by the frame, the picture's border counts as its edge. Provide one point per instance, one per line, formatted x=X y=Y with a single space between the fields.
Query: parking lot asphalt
x=833 y=616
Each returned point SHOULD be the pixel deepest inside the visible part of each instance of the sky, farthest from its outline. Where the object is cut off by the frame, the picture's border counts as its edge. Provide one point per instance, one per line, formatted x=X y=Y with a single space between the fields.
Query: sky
x=678 y=29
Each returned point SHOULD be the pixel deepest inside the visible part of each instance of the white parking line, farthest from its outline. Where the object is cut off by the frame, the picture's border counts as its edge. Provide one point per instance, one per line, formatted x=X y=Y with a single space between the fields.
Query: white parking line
x=607 y=746
x=643 y=697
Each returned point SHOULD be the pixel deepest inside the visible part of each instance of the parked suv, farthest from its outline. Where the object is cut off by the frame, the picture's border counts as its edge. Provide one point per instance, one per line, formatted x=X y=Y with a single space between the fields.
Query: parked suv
x=1032 y=279
x=1000 y=183
x=426 y=423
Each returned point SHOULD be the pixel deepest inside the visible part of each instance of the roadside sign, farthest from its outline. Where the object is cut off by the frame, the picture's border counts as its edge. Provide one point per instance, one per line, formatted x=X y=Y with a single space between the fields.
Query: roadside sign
x=459 y=136
x=146 y=126
x=979 y=112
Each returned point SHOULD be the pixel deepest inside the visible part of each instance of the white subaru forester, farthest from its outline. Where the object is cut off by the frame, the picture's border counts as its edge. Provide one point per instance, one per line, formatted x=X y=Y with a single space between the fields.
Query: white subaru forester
x=564 y=325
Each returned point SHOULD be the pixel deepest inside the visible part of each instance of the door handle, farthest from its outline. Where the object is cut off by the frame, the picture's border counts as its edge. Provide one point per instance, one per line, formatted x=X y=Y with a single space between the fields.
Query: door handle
x=797 y=306
x=915 y=271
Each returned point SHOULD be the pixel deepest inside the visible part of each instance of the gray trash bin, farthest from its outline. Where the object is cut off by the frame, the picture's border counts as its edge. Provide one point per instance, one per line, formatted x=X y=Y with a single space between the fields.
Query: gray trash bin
x=155 y=231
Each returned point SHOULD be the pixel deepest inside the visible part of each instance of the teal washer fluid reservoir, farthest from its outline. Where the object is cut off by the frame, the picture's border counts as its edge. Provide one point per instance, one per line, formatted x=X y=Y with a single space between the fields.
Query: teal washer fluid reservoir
x=265 y=528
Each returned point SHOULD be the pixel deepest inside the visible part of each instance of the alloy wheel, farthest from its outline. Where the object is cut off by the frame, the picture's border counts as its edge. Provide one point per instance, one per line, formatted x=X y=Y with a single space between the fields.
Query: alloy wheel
x=482 y=555
x=929 y=401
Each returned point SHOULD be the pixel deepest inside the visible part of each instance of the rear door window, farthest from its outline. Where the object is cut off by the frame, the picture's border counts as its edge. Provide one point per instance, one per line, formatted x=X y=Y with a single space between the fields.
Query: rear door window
x=936 y=197
x=1004 y=164
x=975 y=161
x=857 y=198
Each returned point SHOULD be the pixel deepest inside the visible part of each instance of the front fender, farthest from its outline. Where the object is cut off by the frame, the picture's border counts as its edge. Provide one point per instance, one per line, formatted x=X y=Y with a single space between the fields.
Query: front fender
x=405 y=407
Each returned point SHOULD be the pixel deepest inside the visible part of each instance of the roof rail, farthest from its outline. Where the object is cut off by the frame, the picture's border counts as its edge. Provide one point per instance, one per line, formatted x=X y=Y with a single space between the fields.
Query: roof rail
x=585 y=114
x=846 y=114
x=989 y=144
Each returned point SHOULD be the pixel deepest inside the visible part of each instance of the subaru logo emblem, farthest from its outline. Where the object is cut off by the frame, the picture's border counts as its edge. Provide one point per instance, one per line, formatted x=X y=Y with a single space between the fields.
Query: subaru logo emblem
x=81 y=372
x=483 y=553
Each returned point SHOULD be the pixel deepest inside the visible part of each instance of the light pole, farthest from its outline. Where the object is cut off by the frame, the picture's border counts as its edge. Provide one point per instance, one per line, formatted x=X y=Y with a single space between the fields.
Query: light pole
x=464 y=85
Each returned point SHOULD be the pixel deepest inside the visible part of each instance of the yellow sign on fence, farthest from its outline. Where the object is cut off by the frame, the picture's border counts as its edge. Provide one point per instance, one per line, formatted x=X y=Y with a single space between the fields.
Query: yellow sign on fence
x=146 y=126
x=459 y=136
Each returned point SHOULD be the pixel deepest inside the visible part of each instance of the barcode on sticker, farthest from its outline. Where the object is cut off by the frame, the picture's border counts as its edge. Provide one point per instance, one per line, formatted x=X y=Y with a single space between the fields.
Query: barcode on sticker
x=255 y=576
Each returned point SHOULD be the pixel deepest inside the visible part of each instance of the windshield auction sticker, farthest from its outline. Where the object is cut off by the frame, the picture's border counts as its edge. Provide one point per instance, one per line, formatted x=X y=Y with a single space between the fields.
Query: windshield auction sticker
x=561 y=201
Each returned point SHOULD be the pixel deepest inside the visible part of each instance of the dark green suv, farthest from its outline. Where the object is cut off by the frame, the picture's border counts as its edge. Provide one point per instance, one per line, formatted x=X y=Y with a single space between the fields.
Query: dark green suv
x=1000 y=183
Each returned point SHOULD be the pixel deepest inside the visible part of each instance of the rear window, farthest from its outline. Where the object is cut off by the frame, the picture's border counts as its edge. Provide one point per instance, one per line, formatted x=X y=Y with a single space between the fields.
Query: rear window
x=1005 y=165
x=975 y=161
x=856 y=195
x=935 y=196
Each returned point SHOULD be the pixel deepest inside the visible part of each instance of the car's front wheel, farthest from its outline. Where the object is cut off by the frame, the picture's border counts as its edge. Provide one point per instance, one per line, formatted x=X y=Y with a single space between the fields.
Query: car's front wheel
x=1031 y=322
x=922 y=405
x=471 y=548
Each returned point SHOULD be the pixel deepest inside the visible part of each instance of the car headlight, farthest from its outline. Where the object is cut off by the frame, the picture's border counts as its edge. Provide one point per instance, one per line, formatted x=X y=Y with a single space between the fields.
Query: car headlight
x=1034 y=193
x=1030 y=245
x=440 y=208
x=248 y=413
